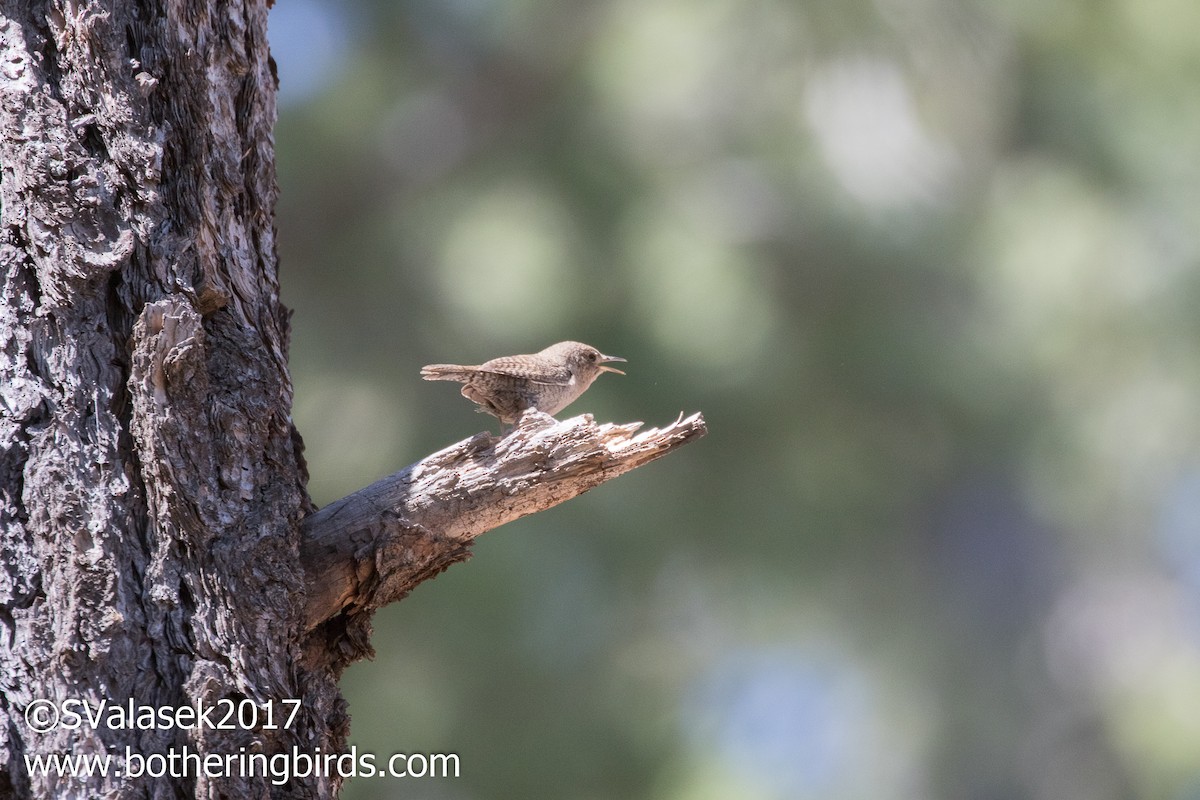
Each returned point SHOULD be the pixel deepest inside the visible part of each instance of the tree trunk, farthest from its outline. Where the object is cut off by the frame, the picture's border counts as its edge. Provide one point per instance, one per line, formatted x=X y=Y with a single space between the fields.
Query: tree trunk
x=151 y=483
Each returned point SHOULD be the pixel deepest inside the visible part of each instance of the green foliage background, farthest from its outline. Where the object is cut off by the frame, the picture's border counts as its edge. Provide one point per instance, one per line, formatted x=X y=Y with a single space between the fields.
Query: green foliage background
x=929 y=270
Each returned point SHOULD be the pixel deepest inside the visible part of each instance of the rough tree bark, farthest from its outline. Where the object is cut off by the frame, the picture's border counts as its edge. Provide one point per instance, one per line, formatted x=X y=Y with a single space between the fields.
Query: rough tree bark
x=150 y=481
x=158 y=544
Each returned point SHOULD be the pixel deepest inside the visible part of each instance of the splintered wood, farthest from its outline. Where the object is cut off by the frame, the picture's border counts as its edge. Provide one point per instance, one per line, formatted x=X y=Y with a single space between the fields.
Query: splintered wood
x=372 y=547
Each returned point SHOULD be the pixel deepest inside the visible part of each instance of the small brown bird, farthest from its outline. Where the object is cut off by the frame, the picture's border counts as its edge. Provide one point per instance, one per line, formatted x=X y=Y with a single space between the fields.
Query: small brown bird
x=548 y=381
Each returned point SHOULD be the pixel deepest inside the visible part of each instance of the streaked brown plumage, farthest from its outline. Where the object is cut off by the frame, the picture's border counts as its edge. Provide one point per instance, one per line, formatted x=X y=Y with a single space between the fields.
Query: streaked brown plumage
x=548 y=381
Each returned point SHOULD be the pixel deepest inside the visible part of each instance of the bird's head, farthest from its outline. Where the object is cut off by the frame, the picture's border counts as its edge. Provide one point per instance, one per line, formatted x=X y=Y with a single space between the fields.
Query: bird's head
x=585 y=362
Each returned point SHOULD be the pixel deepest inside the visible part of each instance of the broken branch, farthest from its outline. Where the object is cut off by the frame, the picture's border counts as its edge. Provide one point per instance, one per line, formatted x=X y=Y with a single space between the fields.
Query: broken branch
x=374 y=546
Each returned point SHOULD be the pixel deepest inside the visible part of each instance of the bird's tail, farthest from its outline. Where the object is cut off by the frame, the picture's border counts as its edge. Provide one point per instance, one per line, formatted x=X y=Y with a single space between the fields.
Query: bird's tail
x=446 y=372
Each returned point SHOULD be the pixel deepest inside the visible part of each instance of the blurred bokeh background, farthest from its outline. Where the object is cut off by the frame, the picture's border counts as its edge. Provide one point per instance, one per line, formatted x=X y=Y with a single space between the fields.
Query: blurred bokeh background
x=928 y=267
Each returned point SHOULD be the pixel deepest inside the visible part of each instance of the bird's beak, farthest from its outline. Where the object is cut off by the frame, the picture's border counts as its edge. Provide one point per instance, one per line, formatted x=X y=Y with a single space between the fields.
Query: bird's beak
x=606 y=368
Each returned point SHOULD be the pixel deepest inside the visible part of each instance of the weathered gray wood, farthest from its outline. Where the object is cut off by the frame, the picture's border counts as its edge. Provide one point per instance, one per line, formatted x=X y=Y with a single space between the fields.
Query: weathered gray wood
x=372 y=547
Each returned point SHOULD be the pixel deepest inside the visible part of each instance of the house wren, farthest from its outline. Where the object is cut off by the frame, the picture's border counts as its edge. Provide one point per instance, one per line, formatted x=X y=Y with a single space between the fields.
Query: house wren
x=548 y=381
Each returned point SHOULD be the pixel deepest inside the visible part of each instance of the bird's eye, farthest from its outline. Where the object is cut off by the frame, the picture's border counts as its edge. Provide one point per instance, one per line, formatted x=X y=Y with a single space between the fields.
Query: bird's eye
x=592 y=356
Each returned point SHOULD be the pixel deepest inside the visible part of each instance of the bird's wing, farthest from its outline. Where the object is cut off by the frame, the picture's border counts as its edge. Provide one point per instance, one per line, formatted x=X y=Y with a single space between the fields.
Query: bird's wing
x=517 y=367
